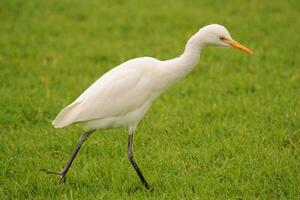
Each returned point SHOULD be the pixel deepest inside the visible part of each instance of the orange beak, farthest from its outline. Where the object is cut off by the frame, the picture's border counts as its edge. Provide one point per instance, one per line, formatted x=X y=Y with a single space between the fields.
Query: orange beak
x=239 y=46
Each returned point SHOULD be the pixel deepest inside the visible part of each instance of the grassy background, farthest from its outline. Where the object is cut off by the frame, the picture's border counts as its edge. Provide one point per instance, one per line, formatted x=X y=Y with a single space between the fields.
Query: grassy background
x=231 y=129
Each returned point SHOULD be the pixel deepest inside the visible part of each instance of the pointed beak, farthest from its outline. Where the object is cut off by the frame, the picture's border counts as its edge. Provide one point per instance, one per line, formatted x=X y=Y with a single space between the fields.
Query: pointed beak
x=239 y=46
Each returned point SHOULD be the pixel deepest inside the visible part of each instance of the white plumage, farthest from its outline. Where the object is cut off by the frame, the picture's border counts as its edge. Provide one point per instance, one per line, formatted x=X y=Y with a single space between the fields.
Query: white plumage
x=122 y=96
x=112 y=97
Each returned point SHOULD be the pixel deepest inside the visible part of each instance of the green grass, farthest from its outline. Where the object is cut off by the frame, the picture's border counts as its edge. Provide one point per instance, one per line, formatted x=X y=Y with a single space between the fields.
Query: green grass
x=230 y=130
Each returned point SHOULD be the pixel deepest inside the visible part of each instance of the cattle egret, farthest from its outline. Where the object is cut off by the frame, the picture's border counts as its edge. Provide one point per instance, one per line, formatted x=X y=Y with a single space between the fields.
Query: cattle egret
x=122 y=96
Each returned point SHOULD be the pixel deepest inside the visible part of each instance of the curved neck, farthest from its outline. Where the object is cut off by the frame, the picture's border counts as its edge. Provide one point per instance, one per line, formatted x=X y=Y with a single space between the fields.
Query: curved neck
x=194 y=44
x=191 y=54
x=186 y=62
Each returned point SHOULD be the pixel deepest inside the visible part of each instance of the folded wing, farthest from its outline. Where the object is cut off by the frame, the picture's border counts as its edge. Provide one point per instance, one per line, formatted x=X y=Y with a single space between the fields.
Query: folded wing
x=118 y=92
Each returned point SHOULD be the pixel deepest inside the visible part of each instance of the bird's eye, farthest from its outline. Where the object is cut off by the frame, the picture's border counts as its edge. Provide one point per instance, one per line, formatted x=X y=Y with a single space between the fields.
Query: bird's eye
x=222 y=38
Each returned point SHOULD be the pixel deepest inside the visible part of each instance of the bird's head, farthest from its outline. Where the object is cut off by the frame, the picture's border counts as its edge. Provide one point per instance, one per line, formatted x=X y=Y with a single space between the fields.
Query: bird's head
x=218 y=35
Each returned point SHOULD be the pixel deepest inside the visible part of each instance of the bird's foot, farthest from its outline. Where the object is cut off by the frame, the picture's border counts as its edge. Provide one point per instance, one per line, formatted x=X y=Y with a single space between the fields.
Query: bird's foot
x=62 y=174
x=147 y=187
x=151 y=189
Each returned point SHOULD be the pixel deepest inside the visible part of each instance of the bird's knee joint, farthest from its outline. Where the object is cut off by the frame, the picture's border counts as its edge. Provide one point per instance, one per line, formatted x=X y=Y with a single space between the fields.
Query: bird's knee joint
x=130 y=155
x=83 y=138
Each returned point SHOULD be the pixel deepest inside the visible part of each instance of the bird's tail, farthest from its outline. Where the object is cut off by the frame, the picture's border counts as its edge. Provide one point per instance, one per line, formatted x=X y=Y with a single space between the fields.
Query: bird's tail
x=66 y=117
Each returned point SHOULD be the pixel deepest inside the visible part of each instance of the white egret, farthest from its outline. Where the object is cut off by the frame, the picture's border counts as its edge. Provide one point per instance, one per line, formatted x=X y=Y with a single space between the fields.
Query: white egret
x=122 y=96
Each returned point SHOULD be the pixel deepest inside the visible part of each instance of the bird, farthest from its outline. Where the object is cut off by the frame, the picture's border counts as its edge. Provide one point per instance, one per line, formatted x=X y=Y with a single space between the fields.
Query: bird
x=123 y=95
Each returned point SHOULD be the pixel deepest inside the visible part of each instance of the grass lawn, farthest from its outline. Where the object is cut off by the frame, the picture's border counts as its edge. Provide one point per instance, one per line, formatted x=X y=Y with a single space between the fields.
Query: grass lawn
x=229 y=130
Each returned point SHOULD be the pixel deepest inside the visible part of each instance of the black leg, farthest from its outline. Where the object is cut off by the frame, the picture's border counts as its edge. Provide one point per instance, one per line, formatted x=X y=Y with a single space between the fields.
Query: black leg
x=131 y=159
x=64 y=172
